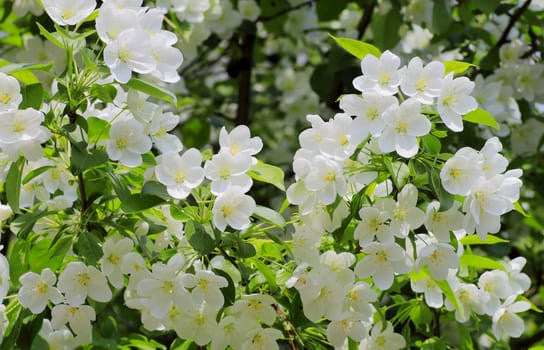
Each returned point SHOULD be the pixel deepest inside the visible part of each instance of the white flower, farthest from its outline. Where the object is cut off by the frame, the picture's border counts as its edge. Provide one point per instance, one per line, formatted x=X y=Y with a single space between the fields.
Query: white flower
x=112 y=21
x=494 y=286
x=440 y=223
x=326 y=178
x=58 y=338
x=404 y=124
x=469 y=298
x=379 y=75
x=517 y=280
x=127 y=142
x=404 y=214
x=462 y=171
x=194 y=321
x=239 y=140
x=167 y=58
x=4 y=276
x=10 y=95
x=36 y=290
x=225 y=170
x=78 y=317
x=439 y=258
x=261 y=339
x=340 y=137
x=432 y=292
x=249 y=9
x=368 y=111
x=382 y=261
x=348 y=326
x=233 y=208
x=232 y=331
x=21 y=125
x=180 y=174
x=68 y=12
x=455 y=100
x=78 y=281
x=5 y=212
x=206 y=287
x=4 y=322
x=422 y=83
x=506 y=322
x=158 y=130
x=163 y=287
x=385 y=340
x=130 y=51
x=359 y=298
x=191 y=11
x=257 y=307
x=373 y=225
x=115 y=248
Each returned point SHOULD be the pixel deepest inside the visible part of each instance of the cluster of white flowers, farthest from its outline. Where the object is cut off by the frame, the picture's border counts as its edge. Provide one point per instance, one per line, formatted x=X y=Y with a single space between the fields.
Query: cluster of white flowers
x=135 y=41
x=327 y=172
x=21 y=132
x=227 y=171
x=490 y=190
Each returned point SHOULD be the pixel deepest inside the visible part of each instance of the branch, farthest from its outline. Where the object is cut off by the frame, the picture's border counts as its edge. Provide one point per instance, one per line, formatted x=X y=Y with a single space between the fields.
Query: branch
x=244 y=80
x=513 y=19
x=365 y=19
x=284 y=11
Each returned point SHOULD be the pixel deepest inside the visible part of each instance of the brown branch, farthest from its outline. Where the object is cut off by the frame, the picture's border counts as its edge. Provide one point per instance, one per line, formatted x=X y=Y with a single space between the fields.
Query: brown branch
x=365 y=19
x=513 y=19
x=244 y=80
x=284 y=11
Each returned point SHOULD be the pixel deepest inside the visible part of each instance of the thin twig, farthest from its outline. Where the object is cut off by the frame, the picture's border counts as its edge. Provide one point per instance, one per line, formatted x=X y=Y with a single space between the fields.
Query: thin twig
x=284 y=11
x=244 y=80
x=513 y=19
x=365 y=19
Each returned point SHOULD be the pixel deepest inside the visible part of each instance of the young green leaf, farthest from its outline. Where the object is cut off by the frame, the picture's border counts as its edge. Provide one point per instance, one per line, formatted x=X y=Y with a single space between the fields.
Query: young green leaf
x=13 y=184
x=268 y=173
x=357 y=48
x=152 y=89
x=270 y=216
x=483 y=117
x=457 y=67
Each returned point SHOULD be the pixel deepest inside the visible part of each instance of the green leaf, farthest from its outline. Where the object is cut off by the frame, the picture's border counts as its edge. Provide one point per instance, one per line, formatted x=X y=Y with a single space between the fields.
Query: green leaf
x=268 y=173
x=23 y=224
x=270 y=216
x=88 y=246
x=13 y=184
x=357 y=48
x=32 y=96
x=475 y=239
x=519 y=209
x=444 y=197
x=199 y=238
x=104 y=93
x=399 y=172
x=432 y=144
x=229 y=292
x=152 y=89
x=450 y=295
x=268 y=274
x=140 y=201
x=246 y=250
x=481 y=262
x=36 y=172
x=483 y=117
x=457 y=67
x=18 y=260
x=83 y=159
x=50 y=37
x=97 y=129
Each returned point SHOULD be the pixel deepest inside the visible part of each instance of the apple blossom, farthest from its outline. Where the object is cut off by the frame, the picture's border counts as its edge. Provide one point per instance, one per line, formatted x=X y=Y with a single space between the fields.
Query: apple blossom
x=385 y=339
x=180 y=174
x=78 y=281
x=127 y=142
x=381 y=75
x=403 y=124
x=455 y=100
x=233 y=208
x=68 y=12
x=422 y=83
x=506 y=322
x=36 y=290
x=10 y=95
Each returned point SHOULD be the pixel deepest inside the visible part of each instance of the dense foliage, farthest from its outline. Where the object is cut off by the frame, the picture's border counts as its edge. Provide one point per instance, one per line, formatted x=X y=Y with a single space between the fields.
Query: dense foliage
x=271 y=174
